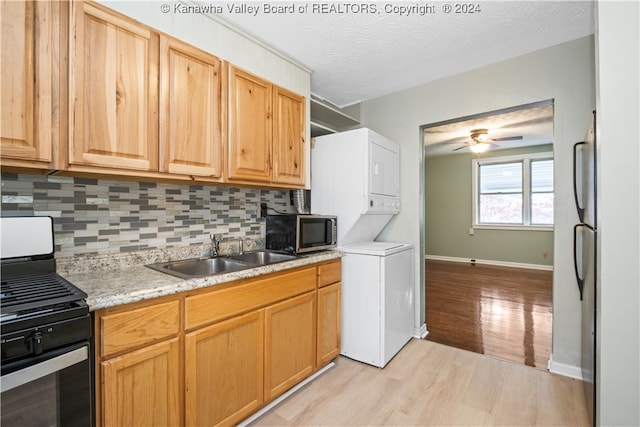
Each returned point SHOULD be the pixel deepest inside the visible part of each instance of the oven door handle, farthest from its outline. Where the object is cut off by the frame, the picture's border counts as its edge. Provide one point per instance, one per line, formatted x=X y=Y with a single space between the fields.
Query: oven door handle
x=48 y=367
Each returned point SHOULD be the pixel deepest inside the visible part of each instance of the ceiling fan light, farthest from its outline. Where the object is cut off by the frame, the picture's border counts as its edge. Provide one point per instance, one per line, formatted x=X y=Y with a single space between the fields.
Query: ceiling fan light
x=479 y=147
x=482 y=137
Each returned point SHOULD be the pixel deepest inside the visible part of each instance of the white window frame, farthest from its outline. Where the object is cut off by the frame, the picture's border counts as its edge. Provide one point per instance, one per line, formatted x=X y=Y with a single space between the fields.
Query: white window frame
x=526 y=190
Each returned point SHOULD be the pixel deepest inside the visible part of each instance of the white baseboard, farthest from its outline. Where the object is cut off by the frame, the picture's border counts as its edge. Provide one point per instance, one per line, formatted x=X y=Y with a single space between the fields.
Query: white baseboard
x=288 y=393
x=490 y=262
x=421 y=332
x=564 y=369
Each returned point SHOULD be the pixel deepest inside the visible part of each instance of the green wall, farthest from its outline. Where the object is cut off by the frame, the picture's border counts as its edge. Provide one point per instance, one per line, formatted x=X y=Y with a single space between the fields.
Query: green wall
x=448 y=216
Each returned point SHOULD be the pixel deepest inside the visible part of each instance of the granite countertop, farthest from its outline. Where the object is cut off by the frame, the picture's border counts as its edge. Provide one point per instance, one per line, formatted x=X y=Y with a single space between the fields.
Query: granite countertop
x=122 y=285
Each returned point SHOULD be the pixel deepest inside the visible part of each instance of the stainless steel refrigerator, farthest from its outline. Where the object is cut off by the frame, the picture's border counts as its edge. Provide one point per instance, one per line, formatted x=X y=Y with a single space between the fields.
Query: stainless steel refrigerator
x=585 y=255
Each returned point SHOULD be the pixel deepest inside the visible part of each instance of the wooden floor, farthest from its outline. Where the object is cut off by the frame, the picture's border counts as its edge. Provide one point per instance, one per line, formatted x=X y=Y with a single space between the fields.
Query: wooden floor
x=499 y=311
x=431 y=384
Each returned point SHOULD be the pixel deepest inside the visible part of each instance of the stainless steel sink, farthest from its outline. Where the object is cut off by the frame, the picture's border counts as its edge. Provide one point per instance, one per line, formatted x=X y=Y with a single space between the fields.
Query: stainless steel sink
x=191 y=268
x=199 y=267
x=262 y=257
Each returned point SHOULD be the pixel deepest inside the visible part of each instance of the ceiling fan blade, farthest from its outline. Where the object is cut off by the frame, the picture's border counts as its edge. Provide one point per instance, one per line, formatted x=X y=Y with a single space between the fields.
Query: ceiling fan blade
x=508 y=138
x=460 y=148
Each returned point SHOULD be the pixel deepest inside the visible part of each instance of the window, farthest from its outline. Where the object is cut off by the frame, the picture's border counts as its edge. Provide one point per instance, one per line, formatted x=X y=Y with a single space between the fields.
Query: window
x=514 y=191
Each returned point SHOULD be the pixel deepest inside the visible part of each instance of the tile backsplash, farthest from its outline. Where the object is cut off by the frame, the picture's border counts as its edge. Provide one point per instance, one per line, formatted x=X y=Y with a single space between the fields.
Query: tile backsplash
x=99 y=216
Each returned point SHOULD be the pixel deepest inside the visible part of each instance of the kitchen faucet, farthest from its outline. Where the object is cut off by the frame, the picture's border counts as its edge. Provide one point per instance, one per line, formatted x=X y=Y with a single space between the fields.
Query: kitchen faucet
x=215 y=245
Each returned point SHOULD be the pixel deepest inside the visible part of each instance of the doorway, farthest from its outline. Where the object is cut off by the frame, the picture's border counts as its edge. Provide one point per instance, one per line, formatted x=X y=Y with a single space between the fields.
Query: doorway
x=488 y=232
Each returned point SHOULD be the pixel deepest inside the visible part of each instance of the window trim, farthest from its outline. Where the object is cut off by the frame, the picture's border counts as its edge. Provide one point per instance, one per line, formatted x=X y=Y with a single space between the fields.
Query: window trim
x=526 y=190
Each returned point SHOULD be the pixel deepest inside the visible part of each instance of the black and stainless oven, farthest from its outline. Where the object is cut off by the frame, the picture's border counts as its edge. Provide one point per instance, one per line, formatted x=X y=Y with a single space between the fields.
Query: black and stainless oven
x=45 y=333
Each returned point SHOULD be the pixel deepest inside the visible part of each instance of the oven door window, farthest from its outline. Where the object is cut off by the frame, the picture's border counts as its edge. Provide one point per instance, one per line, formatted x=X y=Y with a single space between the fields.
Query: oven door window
x=54 y=392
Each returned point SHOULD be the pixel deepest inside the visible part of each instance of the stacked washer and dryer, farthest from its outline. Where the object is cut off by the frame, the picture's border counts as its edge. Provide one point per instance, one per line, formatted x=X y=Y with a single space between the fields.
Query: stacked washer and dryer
x=355 y=175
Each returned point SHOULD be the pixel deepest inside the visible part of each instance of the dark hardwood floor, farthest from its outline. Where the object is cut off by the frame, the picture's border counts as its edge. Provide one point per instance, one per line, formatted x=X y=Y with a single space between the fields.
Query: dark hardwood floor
x=499 y=311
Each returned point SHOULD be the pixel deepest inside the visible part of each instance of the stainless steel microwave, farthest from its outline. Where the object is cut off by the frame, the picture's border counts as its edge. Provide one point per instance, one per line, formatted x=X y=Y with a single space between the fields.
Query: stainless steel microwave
x=299 y=233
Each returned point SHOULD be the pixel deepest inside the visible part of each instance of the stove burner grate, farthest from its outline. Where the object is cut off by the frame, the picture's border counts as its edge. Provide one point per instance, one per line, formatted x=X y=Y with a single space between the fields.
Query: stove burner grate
x=25 y=293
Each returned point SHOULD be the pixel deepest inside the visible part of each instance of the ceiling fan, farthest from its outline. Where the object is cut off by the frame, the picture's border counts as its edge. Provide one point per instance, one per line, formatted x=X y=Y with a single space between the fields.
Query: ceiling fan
x=480 y=141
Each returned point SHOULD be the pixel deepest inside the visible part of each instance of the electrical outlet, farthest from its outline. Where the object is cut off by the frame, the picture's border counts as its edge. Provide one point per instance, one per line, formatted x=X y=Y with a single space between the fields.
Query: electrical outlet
x=263 y=210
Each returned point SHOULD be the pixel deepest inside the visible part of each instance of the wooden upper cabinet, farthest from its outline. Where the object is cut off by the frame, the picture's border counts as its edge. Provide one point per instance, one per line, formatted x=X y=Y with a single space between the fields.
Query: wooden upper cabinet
x=25 y=82
x=250 y=127
x=289 y=152
x=191 y=114
x=113 y=85
x=266 y=132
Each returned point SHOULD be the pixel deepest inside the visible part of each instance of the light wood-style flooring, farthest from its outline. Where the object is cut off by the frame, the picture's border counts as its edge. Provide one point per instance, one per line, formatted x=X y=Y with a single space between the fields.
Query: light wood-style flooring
x=500 y=311
x=430 y=384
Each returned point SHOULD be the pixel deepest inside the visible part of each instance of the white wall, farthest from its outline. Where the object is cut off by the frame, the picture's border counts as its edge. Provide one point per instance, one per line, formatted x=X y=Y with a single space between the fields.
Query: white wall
x=618 y=299
x=564 y=73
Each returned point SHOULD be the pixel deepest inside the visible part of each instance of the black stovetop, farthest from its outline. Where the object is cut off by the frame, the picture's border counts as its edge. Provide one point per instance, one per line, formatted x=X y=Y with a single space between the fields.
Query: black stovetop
x=22 y=294
x=32 y=292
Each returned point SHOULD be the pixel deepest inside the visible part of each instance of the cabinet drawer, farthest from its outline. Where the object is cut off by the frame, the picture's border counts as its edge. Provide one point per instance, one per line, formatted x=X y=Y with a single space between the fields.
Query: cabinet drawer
x=329 y=273
x=217 y=305
x=137 y=327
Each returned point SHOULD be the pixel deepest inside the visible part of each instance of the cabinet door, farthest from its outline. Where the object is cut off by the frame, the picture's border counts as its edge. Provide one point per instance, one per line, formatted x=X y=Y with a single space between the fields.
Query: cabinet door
x=289 y=343
x=142 y=388
x=113 y=85
x=250 y=127
x=190 y=110
x=223 y=371
x=328 y=324
x=25 y=81
x=289 y=148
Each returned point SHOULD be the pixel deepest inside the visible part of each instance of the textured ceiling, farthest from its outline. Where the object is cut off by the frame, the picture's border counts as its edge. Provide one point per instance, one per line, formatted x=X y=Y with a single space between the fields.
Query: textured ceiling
x=357 y=55
x=533 y=123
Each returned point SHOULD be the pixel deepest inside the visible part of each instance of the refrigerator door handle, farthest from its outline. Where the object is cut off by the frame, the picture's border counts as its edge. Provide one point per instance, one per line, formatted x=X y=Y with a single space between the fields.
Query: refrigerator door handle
x=575 y=180
x=579 y=279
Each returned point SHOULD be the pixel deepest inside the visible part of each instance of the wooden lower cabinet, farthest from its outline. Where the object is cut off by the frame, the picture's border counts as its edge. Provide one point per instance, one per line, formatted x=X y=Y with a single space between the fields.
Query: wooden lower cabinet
x=289 y=344
x=329 y=297
x=215 y=356
x=142 y=388
x=223 y=371
x=328 y=324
